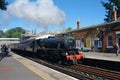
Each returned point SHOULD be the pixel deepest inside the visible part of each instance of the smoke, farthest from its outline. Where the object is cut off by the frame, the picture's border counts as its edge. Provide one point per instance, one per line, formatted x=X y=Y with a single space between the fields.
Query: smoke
x=40 y=12
x=4 y=21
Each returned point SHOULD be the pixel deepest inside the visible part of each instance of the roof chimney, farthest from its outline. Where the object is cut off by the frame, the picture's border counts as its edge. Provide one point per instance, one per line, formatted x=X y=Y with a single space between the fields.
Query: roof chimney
x=114 y=16
x=78 y=24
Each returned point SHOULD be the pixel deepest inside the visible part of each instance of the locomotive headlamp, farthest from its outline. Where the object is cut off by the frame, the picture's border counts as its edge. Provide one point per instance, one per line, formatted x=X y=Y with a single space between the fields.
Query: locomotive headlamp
x=66 y=53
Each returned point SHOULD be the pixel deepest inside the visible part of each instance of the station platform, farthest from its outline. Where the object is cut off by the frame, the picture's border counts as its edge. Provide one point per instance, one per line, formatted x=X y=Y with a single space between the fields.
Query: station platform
x=102 y=56
x=15 y=67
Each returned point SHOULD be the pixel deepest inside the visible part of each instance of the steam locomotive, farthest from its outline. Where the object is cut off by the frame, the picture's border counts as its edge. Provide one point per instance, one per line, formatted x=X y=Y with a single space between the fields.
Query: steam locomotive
x=57 y=49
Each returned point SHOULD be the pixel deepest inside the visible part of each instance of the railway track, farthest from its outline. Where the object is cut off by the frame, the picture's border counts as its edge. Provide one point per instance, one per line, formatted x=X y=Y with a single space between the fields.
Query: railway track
x=101 y=73
x=82 y=72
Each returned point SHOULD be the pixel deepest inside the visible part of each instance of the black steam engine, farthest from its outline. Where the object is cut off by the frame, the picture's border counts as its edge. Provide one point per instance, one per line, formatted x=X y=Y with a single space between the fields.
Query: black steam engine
x=58 y=49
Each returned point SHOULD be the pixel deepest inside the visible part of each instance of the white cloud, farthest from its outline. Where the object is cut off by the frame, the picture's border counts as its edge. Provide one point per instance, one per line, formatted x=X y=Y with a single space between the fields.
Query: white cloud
x=40 y=12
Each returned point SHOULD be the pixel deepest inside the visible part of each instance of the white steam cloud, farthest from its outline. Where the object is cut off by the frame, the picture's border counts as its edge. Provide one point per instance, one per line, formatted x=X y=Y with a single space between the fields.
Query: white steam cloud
x=40 y=12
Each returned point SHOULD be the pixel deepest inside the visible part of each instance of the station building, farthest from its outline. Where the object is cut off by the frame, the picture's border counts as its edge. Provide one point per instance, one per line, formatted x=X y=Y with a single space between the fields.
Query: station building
x=97 y=38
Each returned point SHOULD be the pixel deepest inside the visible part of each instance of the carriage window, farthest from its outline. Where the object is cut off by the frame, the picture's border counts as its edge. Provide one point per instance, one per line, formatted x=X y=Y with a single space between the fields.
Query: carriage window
x=110 y=42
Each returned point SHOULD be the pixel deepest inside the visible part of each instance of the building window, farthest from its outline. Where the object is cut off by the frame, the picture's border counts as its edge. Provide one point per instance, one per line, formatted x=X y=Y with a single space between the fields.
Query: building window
x=99 y=43
x=78 y=45
x=110 y=42
x=118 y=39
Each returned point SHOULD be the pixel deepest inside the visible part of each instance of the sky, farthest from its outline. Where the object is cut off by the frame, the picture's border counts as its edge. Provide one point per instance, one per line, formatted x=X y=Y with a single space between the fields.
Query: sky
x=51 y=14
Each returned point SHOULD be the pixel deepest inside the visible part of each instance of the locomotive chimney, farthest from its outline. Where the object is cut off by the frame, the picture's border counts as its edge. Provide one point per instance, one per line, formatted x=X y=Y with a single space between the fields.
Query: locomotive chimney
x=114 y=16
x=78 y=24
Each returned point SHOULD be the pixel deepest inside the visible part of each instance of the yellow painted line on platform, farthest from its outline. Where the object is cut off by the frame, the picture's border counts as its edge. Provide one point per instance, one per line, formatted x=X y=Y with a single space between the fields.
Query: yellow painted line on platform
x=32 y=69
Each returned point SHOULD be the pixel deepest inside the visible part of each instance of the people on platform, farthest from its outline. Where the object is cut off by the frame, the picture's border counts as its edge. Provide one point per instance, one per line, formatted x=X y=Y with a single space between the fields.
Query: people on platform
x=5 y=50
x=117 y=49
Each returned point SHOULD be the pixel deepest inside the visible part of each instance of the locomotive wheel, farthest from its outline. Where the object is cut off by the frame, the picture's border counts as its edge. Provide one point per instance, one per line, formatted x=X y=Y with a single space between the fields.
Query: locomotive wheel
x=54 y=56
x=70 y=62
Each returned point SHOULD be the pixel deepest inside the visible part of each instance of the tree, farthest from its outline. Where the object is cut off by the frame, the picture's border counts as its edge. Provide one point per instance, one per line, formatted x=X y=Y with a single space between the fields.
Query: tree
x=14 y=33
x=68 y=29
x=3 y=4
x=109 y=9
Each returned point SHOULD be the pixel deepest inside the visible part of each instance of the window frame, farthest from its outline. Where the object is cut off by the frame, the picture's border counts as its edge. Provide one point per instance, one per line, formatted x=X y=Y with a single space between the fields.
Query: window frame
x=109 y=40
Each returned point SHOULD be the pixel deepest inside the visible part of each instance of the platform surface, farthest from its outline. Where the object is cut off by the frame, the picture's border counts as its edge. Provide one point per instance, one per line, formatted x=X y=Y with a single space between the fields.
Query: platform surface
x=102 y=56
x=16 y=67
x=10 y=69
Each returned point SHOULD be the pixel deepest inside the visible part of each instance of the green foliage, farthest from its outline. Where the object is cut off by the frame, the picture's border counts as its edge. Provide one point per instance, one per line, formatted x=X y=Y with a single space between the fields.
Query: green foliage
x=14 y=33
x=68 y=29
x=109 y=9
x=3 y=4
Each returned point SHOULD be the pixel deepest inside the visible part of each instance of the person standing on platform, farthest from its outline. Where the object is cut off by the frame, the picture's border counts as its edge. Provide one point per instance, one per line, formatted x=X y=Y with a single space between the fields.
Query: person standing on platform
x=8 y=50
x=4 y=50
x=117 y=49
